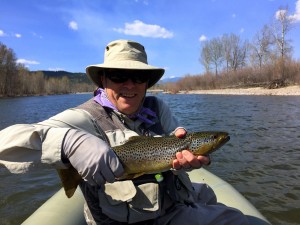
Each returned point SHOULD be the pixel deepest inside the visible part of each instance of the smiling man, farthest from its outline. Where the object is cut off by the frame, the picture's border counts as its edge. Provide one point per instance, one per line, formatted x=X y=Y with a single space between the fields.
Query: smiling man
x=82 y=138
x=125 y=89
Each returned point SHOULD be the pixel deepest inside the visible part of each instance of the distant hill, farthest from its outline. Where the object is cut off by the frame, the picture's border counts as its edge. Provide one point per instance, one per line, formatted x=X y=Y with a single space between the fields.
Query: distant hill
x=74 y=77
x=82 y=77
x=169 y=79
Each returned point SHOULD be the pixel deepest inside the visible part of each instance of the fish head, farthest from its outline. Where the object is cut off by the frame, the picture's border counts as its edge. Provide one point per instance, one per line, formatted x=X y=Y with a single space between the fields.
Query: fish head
x=203 y=143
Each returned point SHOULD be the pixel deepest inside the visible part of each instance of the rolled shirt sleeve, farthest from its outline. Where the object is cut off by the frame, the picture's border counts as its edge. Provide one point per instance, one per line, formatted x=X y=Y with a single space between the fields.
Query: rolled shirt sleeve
x=27 y=146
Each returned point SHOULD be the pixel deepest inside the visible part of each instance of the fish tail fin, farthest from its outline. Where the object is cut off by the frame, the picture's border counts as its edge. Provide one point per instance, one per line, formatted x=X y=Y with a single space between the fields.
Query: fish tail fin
x=70 y=179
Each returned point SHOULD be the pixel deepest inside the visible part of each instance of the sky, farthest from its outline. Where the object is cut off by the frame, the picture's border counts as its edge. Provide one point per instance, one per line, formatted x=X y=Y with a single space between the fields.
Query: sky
x=72 y=34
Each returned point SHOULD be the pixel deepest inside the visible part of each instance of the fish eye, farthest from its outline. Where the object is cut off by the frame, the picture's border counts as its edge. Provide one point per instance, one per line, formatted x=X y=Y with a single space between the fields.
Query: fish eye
x=214 y=136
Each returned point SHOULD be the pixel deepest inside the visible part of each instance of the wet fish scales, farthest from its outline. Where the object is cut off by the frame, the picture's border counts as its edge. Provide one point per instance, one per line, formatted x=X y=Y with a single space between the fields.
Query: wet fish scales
x=141 y=155
x=155 y=154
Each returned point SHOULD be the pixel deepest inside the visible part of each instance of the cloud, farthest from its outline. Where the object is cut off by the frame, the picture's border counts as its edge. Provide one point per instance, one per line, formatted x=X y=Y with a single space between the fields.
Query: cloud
x=296 y=16
x=202 y=38
x=293 y=18
x=73 y=25
x=138 y=28
x=280 y=13
x=242 y=30
x=2 y=34
x=27 y=62
x=233 y=15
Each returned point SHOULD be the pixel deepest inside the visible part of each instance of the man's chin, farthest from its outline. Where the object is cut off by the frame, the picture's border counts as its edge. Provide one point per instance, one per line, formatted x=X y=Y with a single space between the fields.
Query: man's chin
x=128 y=110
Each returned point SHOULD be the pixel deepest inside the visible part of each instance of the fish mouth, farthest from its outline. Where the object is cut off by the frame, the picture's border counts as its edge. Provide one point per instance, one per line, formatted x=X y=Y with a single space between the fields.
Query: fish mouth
x=223 y=139
x=227 y=138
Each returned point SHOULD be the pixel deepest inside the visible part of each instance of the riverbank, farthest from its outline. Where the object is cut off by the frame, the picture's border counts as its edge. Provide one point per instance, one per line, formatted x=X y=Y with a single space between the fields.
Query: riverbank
x=285 y=91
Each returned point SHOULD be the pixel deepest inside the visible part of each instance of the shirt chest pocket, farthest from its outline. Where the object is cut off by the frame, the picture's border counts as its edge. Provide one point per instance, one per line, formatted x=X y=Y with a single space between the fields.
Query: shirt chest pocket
x=125 y=202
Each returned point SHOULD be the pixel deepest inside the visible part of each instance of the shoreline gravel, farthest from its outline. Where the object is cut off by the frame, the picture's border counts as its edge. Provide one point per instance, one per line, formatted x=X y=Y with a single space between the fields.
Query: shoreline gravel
x=285 y=91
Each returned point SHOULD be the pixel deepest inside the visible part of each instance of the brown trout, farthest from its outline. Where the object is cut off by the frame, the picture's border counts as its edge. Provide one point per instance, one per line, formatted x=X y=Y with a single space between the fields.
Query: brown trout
x=146 y=155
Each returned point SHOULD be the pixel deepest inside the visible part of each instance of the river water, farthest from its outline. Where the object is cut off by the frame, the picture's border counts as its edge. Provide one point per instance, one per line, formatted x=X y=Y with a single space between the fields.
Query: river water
x=262 y=159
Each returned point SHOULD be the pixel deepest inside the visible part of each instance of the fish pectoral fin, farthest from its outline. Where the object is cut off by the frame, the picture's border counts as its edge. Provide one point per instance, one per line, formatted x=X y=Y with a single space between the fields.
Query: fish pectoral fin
x=70 y=179
x=133 y=176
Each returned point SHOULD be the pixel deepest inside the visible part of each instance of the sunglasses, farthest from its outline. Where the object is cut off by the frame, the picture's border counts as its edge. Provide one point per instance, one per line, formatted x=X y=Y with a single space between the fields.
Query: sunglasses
x=138 y=77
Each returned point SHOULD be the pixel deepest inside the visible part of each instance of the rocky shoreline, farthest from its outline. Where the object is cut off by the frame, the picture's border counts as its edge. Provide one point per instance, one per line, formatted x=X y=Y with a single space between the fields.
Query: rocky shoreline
x=284 y=91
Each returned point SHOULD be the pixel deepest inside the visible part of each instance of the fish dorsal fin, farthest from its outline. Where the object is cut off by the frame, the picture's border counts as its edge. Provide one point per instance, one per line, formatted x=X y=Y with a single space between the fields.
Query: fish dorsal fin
x=134 y=139
x=137 y=139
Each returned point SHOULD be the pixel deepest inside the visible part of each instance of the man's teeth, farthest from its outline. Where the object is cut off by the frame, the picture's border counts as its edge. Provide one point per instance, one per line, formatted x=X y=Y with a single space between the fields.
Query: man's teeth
x=128 y=95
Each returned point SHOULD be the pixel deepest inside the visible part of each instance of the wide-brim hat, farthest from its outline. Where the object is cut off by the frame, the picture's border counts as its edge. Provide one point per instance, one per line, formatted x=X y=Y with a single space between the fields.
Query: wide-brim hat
x=128 y=55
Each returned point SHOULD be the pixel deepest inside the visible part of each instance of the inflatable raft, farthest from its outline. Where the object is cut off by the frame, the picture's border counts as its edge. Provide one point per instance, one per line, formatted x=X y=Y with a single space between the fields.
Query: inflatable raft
x=60 y=210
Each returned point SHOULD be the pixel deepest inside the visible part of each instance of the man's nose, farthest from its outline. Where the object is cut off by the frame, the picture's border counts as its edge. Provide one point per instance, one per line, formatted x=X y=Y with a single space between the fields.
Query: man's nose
x=129 y=83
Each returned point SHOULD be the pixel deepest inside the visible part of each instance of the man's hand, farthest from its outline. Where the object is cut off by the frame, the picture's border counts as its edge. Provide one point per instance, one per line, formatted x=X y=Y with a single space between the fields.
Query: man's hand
x=185 y=159
x=94 y=160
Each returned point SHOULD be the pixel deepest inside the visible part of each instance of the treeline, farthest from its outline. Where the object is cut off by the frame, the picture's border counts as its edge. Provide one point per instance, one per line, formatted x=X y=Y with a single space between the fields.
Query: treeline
x=230 y=61
x=243 y=78
x=17 y=80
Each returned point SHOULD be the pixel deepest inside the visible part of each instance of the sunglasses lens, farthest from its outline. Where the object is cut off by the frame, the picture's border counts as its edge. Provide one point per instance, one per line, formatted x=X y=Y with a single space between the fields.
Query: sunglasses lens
x=121 y=77
x=117 y=78
x=139 y=79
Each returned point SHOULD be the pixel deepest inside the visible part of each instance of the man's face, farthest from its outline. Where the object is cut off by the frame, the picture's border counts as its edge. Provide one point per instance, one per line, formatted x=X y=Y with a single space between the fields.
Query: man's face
x=126 y=94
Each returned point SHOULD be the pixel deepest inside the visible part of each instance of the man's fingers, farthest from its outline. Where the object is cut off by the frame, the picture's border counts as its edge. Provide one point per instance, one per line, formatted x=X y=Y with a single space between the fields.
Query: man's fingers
x=176 y=164
x=191 y=160
x=204 y=159
x=180 y=133
x=187 y=160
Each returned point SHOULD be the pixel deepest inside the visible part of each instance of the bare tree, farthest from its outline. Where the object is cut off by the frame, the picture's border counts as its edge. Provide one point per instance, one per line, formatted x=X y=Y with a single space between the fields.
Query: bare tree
x=281 y=26
x=3 y=74
x=212 y=54
x=235 y=51
x=205 y=57
x=64 y=84
x=25 y=83
x=261 y=46
x=8 y=70
x=216 y=53
x=37 y=83
x=226 y=48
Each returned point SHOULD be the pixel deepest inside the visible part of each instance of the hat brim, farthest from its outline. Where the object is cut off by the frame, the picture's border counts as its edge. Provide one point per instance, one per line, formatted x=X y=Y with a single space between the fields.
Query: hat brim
x=95 y=71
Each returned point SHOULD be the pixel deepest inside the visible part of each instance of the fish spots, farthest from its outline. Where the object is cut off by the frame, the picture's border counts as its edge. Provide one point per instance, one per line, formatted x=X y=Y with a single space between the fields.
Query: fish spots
x=149 y=154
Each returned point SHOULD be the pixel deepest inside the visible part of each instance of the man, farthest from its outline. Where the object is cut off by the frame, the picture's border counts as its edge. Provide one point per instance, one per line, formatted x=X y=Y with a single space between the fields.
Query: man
x=82 y=138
